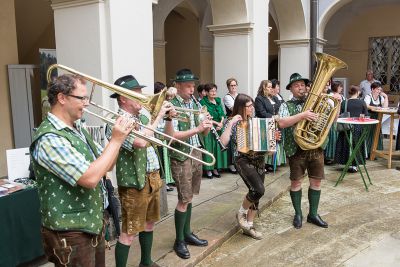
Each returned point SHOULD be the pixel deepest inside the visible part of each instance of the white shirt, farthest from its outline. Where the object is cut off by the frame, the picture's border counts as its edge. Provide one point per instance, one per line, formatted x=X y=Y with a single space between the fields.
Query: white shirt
x=365 y=87
x=229 y=100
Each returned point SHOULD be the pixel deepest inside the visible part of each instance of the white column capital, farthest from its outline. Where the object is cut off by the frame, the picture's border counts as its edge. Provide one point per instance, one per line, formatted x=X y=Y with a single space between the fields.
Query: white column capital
x=293 y=42
x=159 y=43
x=59 y=4
x=205 y=48
x=231 y=29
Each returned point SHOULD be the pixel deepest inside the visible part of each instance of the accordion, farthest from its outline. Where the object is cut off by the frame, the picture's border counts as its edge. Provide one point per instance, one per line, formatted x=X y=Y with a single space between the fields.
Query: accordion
x=256 y=135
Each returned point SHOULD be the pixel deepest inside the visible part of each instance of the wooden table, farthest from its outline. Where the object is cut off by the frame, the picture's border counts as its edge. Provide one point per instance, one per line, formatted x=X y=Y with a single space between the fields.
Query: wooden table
x=366 y=126
x=386 y=154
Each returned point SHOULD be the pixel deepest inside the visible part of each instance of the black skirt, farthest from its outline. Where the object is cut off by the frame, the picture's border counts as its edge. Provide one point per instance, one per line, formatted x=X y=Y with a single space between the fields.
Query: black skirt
x=342 y=152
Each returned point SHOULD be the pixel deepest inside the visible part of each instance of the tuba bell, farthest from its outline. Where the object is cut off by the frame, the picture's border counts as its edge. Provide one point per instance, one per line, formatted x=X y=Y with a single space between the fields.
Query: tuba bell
x=312 y=134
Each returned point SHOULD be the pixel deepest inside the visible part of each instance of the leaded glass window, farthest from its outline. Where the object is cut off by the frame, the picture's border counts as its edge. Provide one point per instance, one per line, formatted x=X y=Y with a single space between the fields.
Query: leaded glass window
x=384 y=60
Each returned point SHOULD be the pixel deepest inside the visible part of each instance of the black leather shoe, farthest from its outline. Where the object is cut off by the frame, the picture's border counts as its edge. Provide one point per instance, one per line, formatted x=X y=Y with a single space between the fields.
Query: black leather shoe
x=317 y=220
x=194 y=240
x=181 y=249
x=216 y=175
x=298 y=221
x=208 y=175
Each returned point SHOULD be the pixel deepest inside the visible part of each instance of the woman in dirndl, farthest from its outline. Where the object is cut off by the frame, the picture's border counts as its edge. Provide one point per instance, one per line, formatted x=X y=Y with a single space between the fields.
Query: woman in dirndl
x=355 y=107
x=336 y=90
x=376 y=100
x=216 y=111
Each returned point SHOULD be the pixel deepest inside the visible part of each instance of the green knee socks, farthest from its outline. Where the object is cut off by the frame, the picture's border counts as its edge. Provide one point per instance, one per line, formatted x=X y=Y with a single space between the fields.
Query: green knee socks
x=146 y=243
x=180 y=220
x=186 y=230
x=121 y=254
x=296 y=201
x=313 y=199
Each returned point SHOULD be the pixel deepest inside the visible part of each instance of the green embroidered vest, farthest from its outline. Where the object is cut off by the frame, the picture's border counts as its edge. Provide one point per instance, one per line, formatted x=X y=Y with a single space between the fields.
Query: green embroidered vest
x=131 y=165
x=290 y=144
x=64 y=207
x=184 y=126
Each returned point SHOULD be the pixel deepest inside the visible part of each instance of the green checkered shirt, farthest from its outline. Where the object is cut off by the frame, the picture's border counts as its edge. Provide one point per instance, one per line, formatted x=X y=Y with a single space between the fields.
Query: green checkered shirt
x=57 y=154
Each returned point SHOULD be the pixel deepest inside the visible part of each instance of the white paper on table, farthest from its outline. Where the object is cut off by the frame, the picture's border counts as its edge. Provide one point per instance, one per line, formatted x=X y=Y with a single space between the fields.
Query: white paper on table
x=18 y=163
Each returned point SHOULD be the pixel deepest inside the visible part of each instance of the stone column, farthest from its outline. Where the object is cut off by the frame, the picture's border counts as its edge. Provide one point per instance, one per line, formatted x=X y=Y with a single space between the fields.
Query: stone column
x=206 y=64
x=106 y=39
x=241 y=50
x=294 y=56
x=159 y=61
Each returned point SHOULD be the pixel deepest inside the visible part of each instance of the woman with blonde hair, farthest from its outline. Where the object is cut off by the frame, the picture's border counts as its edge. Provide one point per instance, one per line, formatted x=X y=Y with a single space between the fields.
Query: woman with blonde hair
x=267 y=106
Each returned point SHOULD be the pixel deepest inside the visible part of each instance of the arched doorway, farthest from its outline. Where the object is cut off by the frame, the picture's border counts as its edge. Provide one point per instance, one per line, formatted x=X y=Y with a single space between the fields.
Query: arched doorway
x=182 y=36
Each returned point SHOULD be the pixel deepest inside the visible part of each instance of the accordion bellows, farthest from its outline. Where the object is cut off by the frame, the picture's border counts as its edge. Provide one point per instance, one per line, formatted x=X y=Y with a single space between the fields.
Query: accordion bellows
x=256 y=135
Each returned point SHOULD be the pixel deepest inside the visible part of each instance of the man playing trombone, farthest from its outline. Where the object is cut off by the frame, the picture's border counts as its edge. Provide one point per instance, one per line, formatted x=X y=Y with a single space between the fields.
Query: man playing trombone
x=138 y=178
x=186 y=172
x=69 y=170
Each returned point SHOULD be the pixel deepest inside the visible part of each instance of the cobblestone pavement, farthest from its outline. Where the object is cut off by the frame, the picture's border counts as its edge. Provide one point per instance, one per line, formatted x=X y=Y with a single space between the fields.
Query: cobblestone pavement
x=364 y=227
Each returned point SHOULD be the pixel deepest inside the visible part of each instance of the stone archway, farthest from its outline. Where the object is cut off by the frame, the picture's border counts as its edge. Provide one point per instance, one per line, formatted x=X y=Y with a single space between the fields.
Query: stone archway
x=190 y=10
x=293 y=39
x=182 y=38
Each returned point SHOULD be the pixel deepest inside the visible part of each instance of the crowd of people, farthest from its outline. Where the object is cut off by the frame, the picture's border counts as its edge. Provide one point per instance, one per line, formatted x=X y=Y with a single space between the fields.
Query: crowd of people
x=71 y=168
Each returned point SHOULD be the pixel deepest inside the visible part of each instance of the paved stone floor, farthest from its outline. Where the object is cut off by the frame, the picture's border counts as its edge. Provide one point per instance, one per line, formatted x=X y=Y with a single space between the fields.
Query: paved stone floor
x=364 y=227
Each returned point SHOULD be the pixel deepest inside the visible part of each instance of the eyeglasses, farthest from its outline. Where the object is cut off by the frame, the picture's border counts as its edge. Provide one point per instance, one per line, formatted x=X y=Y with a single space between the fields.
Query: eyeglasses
x=249 y=106
x=81 y=98
x=232 y=85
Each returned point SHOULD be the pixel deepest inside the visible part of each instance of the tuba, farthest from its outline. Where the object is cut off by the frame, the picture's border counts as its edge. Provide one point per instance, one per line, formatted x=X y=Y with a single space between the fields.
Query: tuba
x=312 y=134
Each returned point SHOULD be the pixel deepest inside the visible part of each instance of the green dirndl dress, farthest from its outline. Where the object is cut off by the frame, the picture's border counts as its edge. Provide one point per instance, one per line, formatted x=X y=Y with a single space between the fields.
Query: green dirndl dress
x=210 y=143
x=330 y=148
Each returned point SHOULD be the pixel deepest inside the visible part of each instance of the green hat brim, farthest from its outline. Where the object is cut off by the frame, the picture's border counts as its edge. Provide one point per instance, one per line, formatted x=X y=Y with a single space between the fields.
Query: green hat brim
x=306 y=81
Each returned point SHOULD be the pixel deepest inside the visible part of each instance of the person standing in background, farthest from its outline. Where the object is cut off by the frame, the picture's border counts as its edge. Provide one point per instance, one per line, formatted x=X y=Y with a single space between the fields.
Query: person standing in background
x=375 y=100
x=266 y=106
x=162 y=150
x=365 y=85
x=229 y=100
x=201 y=92
x=216 y=111
x=280 y=155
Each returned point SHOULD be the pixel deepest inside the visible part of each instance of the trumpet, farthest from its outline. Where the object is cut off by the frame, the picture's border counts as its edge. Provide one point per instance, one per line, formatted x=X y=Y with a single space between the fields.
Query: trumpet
x=151 y=102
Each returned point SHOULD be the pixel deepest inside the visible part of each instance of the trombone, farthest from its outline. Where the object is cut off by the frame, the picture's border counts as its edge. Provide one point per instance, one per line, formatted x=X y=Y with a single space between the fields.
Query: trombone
x=153 y=102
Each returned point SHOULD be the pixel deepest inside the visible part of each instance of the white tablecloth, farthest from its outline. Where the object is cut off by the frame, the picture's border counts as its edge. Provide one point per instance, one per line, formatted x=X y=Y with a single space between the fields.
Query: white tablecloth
x=386 y=125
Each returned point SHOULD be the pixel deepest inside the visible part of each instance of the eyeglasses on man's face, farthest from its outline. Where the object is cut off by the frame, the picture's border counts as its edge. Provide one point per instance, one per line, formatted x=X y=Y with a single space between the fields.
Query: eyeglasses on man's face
x=81 y=98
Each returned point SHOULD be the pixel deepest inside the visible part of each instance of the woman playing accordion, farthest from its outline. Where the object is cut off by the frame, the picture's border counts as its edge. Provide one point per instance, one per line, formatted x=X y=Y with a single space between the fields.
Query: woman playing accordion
x=249 y=164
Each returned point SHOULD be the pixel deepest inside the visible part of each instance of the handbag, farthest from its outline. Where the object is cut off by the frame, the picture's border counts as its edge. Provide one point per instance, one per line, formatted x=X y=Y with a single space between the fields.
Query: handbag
x=343 y=127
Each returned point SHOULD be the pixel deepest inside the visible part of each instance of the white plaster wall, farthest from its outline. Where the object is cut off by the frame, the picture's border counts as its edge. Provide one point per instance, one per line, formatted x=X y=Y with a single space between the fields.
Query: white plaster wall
x=259 y=44
x=295 y=59
x=81 y=38
x=131 y=33
x=229 y=62
x=78 y=31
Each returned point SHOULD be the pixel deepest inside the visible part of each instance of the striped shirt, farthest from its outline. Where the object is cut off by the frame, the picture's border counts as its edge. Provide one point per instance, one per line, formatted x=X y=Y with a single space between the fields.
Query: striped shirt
x=194 y=139
x=152 y=158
